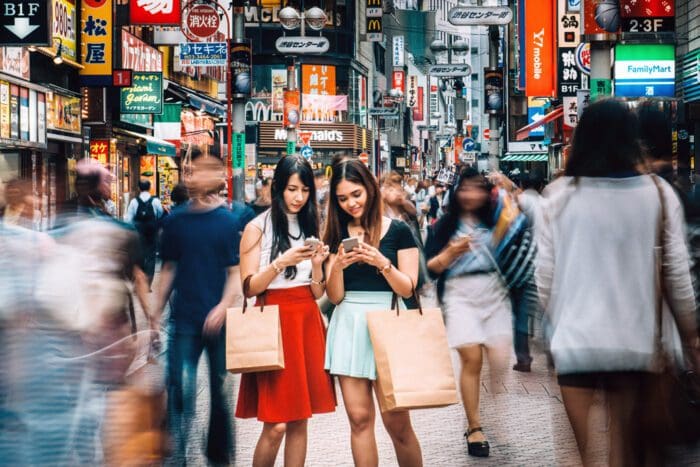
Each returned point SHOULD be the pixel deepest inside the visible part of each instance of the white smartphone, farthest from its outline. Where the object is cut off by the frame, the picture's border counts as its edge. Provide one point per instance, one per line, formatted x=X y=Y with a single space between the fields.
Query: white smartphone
x=350 y=243
x=312 y=242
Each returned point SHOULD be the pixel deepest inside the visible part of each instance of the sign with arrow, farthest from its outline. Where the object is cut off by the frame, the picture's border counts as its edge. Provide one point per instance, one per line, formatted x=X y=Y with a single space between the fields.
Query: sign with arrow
x=24 y=22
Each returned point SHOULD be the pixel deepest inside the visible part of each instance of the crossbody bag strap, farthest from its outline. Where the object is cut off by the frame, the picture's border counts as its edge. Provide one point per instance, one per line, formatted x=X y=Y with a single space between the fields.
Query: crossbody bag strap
x=659 y=272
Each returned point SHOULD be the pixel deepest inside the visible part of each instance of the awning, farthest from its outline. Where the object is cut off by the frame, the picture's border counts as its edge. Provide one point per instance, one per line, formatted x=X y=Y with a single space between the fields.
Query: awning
x=208 y=106
x=154 y=145
x=524 y=132
x=192 y=98
x=525 y=157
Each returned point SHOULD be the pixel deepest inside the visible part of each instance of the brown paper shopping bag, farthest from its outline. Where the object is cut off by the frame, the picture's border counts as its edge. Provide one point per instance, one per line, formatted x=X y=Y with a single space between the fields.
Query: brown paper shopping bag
x=414 y=367
x=253 y=337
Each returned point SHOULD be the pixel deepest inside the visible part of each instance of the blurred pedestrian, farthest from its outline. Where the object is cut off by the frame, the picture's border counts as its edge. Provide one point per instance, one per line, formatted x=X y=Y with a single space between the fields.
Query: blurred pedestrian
x=476 y=303
x=278 y=261
x=384 y=262
x=180 y=196
x=600 y=224
x=321 y=183
x=435 y=203
x=19 y=205
x=200 y=264
x=263 y=198
x=143 y=212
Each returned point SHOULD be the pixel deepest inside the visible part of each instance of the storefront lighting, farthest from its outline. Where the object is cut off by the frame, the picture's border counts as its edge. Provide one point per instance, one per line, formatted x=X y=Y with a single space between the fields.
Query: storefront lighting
x=31 y=48
x=58 y=59
x=291 y=19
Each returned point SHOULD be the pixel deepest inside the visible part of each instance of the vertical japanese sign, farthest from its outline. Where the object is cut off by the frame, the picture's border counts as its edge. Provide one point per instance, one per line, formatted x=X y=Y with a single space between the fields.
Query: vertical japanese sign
x=569 y=76
x=433 y=98
x=96 y=42
x=539 y=48
x=14 y=111
x=418 y=114
x=238 y=151
x=65 y=21
x=398 y=80
x=4 y=110
x=99 y=150
x=318 y=79
x=24 y=114
x=412 y=96
x=398 y=51
x=41 y=117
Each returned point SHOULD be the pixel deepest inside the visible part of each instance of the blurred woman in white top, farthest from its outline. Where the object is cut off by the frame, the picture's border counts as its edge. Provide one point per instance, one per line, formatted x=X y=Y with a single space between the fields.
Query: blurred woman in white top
x=596 y=278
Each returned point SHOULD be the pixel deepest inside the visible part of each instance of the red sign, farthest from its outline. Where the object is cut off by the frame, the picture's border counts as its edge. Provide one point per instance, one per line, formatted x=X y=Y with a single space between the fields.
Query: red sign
x=398 y=80
x=305 y=137
x=459 y=139
x=121 y=78
x=162 y=12
x=418 y=109
x=202 y=21
x=99 y=150
x=139 y=56
x=647 y=9
x=364 y=158
x=487 y=133
x=291 y=109
x=540 y=67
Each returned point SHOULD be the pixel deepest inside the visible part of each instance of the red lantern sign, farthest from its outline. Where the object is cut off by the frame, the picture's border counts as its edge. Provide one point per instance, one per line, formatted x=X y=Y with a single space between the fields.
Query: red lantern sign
x=161 y=12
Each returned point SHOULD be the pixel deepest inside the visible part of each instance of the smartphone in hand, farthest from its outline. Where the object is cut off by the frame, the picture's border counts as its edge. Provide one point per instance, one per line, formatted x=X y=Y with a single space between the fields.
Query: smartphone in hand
x=312 y=242
x=350 y=243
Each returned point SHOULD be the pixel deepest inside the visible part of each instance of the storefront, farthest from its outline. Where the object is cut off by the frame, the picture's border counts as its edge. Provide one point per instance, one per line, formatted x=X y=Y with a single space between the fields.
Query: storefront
x=326 y=141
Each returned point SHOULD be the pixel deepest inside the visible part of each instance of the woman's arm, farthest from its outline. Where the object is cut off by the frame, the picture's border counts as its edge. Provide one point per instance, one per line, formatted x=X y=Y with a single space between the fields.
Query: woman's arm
x=335 y=288
x=453 y=250
x=251 y=244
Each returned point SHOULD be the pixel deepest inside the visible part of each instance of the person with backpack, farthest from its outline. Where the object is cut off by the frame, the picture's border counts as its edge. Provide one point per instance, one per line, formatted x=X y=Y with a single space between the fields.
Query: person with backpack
x=143 y=212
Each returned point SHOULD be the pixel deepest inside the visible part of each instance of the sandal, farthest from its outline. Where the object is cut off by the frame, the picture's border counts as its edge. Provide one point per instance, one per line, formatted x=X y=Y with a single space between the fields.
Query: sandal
x=476 y=448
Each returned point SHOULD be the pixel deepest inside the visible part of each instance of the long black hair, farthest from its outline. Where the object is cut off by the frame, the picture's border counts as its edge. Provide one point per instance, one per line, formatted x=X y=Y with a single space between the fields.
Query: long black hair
x=447 y=225
x=606 y=141
x=307 y=217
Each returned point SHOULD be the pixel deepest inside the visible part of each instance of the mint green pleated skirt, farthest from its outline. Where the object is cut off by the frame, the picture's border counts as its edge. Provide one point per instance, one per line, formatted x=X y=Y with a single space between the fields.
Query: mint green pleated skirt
x=348 y=346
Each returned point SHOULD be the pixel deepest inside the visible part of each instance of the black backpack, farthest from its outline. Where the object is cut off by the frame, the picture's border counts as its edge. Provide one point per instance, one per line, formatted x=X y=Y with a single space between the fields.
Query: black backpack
x=145 y=219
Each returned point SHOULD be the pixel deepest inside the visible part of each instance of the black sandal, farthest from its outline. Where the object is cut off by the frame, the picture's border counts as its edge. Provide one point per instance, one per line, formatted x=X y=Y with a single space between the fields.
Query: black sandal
x=476 y=448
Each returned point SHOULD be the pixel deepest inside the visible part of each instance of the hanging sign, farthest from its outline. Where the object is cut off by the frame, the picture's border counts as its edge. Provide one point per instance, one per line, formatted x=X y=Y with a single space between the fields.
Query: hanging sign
x=160 y=12
x=412 y=96
x=569 y=76
x=480 y=16
x=398 y=51
x=302 y=45
x=24 y=22
x=539 y=49
x=96 y=42
x=446 y=71
x=145 y=96
x=65 y=22
x=203 y=54
x=373 y=24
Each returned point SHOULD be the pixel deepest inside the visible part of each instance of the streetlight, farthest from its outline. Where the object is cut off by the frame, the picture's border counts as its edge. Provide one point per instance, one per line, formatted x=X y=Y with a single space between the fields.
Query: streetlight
x=291 y=19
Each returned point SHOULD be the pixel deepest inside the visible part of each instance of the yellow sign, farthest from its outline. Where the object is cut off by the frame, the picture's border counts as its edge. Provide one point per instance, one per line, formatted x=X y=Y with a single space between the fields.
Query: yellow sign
x=64 y=28
x=4 y=110
x=96 y=39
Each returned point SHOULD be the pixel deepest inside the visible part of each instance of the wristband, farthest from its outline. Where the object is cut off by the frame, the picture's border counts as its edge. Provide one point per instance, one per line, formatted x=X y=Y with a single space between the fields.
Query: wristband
x=277 y=269
x=321 y=282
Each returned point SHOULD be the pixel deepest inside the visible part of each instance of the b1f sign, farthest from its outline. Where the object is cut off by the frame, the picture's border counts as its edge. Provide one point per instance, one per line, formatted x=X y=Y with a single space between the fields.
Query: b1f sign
x=645 y=70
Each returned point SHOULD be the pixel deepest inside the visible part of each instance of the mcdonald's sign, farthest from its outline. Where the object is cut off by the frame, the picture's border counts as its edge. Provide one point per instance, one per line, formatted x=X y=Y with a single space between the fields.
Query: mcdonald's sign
x=374 y=29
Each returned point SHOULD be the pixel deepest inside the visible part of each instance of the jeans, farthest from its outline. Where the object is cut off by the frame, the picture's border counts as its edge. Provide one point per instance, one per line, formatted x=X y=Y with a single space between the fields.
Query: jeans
x=524 y=301
x=183 y=356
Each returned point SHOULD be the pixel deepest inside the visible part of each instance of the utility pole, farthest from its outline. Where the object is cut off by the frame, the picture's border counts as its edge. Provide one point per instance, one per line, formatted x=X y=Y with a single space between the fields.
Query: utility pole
x=238 y=117
x=292 y=87
x=494 y=136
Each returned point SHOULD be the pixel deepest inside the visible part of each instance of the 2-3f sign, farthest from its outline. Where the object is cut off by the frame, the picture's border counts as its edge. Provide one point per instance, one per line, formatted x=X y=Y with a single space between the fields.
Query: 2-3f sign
x=24 y=22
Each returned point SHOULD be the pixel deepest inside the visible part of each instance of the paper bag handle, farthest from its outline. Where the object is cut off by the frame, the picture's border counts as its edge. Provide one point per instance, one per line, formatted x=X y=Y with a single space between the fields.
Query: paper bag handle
x=246 y=289
x=414 y=293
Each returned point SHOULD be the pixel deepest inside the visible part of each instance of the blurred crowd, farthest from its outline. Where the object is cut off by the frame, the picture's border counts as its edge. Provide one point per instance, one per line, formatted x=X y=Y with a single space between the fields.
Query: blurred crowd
x=599 y=264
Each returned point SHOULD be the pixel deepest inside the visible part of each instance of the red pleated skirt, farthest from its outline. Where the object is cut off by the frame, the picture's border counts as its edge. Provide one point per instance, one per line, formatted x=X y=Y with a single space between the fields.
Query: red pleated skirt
x=303 y=388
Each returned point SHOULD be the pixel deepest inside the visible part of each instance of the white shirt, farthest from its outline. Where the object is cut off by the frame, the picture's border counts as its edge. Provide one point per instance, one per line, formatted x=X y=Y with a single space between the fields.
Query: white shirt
x=264 y=223
x=596 y=268
x=134 y=206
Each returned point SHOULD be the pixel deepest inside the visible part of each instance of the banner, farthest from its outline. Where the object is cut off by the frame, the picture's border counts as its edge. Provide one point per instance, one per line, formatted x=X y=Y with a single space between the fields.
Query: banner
x=145 y=96
x=96 y=42
x=318 y=79
x=412 y=96
x=161 y=12
x=539 y=48
x=418 y=115
x=398 y=80
x=320 y=108
x=4 y=110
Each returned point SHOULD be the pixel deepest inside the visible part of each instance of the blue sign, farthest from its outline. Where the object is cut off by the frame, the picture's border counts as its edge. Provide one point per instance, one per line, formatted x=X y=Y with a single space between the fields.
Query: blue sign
x=534 y=114
x=203 y=54
x=468 y=144
x=307 y=152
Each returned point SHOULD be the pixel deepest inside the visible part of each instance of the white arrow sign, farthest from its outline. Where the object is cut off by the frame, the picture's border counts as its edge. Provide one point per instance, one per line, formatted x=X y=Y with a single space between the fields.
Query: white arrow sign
x=21 y=28
x=302 y=45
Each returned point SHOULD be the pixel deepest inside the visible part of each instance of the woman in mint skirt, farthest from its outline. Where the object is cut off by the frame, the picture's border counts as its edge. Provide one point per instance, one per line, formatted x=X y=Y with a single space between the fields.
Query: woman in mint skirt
x=364 y=279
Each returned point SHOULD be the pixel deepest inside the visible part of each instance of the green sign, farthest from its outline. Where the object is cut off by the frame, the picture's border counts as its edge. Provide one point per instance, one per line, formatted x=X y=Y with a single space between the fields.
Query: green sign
x=600 y=88
x=238 y=151
x=145 y=96
x=143 y=120
x=291 y=147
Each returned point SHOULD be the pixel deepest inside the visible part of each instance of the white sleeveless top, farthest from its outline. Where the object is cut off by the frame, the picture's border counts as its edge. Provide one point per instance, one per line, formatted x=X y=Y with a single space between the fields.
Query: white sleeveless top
x=303 y=276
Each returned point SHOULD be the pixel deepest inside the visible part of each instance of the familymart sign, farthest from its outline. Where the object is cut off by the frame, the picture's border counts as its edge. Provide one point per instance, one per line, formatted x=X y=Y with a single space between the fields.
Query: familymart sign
x=645 y=70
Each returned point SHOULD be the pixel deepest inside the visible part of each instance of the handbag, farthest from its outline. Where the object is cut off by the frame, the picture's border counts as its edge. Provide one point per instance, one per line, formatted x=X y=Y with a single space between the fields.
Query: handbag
x=674 y=392
x=414 y=366
x=253 y=337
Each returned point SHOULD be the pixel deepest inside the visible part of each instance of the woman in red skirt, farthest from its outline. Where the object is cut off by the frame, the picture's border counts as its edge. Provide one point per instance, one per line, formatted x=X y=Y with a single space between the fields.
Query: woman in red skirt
x=283 y=259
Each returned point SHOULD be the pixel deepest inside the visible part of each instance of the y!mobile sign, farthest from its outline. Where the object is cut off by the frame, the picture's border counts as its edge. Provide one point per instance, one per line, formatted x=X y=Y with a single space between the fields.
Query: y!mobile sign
x=645 y=70
x=539 y=47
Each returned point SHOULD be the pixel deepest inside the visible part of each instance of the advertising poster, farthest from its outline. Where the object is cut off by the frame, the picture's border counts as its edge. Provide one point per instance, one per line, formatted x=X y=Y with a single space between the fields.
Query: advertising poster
x=96 y=42
x=4 y=110
x=24 y=114
x=318 y=79
x=539 y=48
x=319 y=102
x=601 y=17
x=14 y=111
x=493 y=90
x=279 y=82
x=241 y=69
x=648 y=16
x=63 y=113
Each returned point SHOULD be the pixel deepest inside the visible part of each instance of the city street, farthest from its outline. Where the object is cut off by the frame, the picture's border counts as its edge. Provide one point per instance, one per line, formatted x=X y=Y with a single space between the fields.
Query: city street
x=523 y=418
